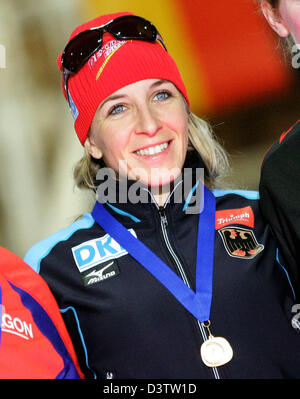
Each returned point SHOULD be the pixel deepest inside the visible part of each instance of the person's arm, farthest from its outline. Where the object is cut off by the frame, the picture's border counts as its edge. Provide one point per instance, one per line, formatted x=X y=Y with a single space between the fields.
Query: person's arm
x=280 y=198
x=34 y=342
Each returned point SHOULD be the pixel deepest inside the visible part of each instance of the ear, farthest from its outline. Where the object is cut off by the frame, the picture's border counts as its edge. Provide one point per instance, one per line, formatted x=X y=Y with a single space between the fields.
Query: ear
x=274 y=19
x=92 y=149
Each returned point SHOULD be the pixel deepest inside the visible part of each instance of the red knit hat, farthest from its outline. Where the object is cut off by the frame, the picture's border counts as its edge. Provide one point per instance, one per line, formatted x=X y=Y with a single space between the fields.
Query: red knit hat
x=117 y=64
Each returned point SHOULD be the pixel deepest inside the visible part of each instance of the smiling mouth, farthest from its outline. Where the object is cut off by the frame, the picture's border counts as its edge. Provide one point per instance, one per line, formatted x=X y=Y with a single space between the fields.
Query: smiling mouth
x=157 y=149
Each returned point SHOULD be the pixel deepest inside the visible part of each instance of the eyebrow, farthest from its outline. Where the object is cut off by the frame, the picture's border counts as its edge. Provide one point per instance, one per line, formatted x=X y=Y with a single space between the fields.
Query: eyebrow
x=158 y=83
x=120 y=96
x=111 y=98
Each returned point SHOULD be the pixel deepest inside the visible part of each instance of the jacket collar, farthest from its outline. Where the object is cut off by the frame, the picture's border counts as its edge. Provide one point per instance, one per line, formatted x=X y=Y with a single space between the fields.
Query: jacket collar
x=132 y=202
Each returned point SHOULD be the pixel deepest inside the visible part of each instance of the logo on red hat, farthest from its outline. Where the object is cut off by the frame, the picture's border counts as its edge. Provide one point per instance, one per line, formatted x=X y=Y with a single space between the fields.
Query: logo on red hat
x=73 y=107
x=105 y=52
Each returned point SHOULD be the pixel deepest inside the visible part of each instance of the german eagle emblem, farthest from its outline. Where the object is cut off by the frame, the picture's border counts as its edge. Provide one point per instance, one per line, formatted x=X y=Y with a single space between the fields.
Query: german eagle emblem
x=240 y=243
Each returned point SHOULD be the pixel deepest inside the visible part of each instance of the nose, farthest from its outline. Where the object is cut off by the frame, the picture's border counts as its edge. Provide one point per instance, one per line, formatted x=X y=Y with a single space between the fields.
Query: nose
x=147 y=121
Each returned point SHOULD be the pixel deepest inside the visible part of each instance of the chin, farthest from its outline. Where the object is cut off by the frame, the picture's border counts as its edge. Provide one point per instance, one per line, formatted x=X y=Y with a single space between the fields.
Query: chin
x=157 y=176
x=161 y=181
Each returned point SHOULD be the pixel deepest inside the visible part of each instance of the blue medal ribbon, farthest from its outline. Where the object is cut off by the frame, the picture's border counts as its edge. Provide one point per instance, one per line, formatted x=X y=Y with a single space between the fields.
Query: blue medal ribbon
x=197 y=303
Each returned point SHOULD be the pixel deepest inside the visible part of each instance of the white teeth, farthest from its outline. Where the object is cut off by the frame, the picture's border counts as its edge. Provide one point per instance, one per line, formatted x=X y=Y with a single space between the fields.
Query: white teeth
x=153 y=150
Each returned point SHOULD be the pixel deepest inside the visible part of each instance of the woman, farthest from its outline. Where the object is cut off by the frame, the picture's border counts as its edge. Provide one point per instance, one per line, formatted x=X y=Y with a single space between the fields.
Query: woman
x=279 y=188
x=163 y=279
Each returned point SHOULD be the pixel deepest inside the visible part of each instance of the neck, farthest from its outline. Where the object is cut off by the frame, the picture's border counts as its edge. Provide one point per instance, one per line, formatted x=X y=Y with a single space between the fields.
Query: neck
x=160 y=196
x=162 y=193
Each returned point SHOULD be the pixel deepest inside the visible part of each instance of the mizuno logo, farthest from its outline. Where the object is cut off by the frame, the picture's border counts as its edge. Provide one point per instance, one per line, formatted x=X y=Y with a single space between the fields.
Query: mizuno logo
x=100 y=273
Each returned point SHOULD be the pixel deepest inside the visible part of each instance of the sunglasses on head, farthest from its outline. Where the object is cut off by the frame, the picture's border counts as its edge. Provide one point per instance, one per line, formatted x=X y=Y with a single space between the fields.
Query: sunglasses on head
x=86 y=43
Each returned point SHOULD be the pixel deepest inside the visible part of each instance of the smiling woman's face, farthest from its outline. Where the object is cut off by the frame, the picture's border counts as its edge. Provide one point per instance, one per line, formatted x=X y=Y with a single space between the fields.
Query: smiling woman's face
x=145 y=127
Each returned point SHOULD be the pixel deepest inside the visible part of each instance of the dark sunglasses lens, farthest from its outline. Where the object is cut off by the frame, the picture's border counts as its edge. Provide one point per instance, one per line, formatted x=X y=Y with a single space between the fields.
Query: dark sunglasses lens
x=133 y=28
x=80 y=49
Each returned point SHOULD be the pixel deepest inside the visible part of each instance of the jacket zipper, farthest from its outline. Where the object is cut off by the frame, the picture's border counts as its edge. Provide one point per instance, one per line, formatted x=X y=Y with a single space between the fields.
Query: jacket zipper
x=164 y=224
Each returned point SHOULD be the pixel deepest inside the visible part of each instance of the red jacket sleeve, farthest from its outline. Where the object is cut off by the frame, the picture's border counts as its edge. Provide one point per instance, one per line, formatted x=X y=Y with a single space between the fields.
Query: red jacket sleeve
x=34 y=342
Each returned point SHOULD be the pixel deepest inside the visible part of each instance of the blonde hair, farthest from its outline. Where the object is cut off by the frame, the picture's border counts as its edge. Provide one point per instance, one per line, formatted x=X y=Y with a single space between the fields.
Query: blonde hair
x=201 y=139
x=215 y=158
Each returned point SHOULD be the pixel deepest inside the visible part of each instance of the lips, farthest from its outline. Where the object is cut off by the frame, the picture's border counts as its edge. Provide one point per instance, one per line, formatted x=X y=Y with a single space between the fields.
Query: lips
x=153 y=150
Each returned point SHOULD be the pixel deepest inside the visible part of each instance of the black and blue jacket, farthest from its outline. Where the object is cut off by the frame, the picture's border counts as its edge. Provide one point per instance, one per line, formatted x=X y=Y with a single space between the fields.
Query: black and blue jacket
x=280 y=196
x=126 y=325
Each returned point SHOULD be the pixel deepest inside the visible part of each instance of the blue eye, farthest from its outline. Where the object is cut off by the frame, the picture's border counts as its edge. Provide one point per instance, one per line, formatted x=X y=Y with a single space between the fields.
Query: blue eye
x=117 y=109
x=162 y=95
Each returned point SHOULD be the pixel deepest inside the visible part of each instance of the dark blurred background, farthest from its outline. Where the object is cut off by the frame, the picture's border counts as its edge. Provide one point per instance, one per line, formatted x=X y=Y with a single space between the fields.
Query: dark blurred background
x=236 y=73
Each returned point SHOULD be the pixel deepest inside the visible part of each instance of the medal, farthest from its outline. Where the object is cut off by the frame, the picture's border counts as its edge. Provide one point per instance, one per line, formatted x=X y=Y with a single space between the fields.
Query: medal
x=215 y=351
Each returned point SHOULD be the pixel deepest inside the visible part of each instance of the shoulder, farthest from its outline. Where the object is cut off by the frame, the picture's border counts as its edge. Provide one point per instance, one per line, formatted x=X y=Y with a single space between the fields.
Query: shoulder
x=291 y=132
x=288 y=143
x=43 y=248
x=237 y=199
x=241 y=194
x=237 y=207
